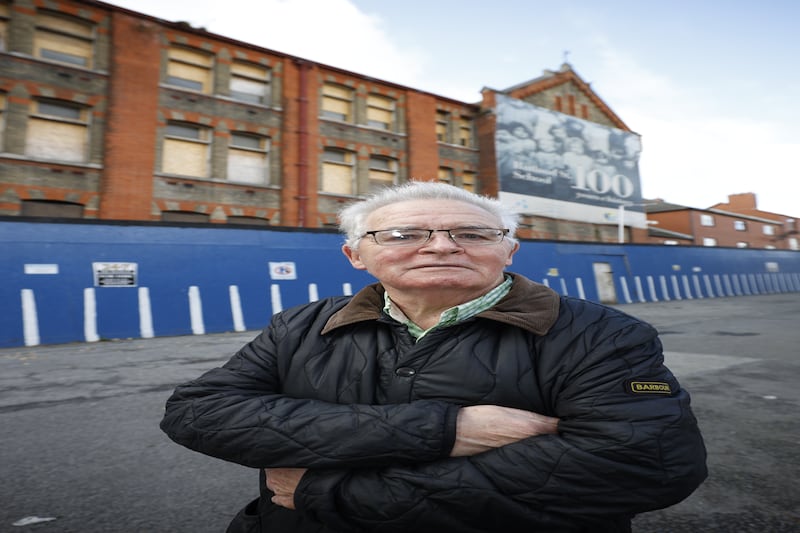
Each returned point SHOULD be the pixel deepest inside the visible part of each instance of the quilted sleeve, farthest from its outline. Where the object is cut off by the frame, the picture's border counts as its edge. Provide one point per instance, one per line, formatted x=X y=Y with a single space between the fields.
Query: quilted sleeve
x=238 y=413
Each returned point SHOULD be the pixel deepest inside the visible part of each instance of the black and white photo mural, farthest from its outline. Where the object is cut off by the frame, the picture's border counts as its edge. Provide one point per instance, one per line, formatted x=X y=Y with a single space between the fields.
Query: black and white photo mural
x=556 y=165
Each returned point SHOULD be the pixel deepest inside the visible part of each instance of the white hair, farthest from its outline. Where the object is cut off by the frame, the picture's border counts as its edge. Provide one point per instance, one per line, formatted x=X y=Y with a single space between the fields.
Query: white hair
x=353 y=218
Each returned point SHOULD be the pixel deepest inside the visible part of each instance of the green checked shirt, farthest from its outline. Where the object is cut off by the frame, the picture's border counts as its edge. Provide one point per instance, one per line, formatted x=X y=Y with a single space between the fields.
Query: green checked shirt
x=452 y=315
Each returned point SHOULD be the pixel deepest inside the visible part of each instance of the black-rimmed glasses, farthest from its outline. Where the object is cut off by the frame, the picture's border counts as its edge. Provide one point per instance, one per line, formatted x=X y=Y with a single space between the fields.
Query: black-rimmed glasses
x=418 y=237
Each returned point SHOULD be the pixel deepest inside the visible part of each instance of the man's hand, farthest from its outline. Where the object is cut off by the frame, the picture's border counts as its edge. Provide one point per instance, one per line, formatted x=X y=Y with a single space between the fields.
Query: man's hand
x=283 y=482
x=480 y=428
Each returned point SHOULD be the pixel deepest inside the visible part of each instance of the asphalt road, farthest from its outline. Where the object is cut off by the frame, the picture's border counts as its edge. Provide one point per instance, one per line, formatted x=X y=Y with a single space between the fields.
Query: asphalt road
x=80 y=444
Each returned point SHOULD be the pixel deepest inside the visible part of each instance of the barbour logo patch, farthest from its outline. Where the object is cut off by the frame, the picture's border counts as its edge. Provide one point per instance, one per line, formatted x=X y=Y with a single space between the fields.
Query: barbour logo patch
x=650 y=387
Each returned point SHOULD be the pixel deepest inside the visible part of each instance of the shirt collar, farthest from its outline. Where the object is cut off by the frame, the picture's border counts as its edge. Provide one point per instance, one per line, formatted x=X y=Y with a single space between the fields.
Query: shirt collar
x=453 y=315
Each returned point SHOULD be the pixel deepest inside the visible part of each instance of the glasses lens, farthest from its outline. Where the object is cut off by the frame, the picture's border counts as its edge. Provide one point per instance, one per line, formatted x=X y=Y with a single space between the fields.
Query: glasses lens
x=400 y=237
x=472 y=236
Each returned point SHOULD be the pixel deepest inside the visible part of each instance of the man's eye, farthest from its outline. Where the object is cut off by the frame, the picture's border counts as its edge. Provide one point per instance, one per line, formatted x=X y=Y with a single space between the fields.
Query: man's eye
x=469 y=236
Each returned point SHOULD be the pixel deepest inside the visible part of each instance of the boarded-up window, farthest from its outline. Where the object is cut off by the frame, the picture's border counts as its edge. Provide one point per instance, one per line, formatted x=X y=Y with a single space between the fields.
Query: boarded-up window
x=248 y=159
x=380 y=112
x=382 y=172
x=186 y=149
x=337 y=172
x=51 y=208
x=2 y=119
x=64 y=39
x=250 y=83
x=468 y=181
x=184 y=216
x=248 y=221
x=337 y=102
x=442 y=126
x=465 y=132
x=3 y=27
x=189 y=69
x=57 y=130
x=446 y=175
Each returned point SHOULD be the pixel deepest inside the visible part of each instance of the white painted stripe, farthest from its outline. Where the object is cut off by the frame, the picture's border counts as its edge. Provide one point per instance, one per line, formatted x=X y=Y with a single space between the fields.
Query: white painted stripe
x=664 y=288
x=686 y=289
x=196 y=310
x=313 y=295
x=275 y=295
x=676 y=288
x=236 y=308
x=581 y=293
x=707 y=282
x=626 y=295
x=90 y=315
x=696 y=281
x=145 y=314
x=30 y=319
x=639 y=292
x=564 y=290
x=347 y=289
x=651 y=286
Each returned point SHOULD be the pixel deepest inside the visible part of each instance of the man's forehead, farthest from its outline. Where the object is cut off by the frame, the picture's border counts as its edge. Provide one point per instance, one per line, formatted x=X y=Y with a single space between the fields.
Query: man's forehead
x=418 y=211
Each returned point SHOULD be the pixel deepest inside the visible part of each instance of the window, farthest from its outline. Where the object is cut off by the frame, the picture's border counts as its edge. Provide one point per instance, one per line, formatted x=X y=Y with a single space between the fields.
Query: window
x=740 y=225
x=446 y=175
x=3 y=27
x=186 y=150
x=248 y=159
x=184 y=216
x=64 y=39
x=189 y=69
x=706 y=220
x=382 y=172
x=742 y=244
x=769 y=230
x=468 y=181
x=58 y=130
x=337 y=171
x=51 y=208
x=465 y=132
x=249 y=221
x=250 y=83
x=2 y=119
x=380 y=112
x=337 y=102
x=709 y=241
x=442 y=121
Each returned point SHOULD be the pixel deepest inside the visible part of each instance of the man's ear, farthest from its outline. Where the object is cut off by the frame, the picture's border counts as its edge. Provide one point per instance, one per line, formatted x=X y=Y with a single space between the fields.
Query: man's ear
x=354 y=257
x=511 y=253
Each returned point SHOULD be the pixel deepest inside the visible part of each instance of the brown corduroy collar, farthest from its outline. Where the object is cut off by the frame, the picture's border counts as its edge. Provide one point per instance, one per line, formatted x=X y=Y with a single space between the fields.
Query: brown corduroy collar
x=528 y=305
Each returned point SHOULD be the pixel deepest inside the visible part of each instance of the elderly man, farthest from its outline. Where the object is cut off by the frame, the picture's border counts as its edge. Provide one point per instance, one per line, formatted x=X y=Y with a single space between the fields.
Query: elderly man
x=451 y=396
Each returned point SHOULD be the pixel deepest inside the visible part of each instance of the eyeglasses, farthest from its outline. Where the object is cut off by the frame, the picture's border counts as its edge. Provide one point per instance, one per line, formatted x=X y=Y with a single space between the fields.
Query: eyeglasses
x=418 y=237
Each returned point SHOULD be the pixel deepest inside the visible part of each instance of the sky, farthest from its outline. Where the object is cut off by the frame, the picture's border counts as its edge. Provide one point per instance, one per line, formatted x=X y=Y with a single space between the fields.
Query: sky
x=711 y=85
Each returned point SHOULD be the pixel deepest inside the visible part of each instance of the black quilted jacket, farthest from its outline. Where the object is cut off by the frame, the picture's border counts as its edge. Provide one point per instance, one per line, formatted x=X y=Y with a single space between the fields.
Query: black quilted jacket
x=337 y=387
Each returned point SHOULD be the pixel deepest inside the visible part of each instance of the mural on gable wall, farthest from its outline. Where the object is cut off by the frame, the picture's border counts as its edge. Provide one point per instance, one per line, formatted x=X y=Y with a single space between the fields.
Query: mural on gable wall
x=556 y=165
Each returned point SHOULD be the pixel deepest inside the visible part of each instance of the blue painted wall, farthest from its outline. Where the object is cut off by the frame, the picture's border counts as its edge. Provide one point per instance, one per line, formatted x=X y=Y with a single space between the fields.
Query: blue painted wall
x=170 y=260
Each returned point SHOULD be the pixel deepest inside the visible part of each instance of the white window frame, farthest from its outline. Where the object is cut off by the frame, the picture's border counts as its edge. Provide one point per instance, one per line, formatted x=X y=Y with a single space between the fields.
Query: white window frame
x=338 y=164
x=58 y=37
x=337 y=102
x=248 y=148
x=707 y=220
x=174 y=136
x=58 y=130
x=250 y=83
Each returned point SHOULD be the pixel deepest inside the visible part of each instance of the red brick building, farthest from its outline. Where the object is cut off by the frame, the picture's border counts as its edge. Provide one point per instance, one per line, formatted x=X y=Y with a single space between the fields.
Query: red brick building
x=111 y=114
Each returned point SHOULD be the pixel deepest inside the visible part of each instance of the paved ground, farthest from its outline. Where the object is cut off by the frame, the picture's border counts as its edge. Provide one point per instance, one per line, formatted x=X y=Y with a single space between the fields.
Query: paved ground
x=80 y=445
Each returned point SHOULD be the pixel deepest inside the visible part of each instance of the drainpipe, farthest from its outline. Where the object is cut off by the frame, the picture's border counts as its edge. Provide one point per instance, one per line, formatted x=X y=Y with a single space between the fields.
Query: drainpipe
x=302 y=146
